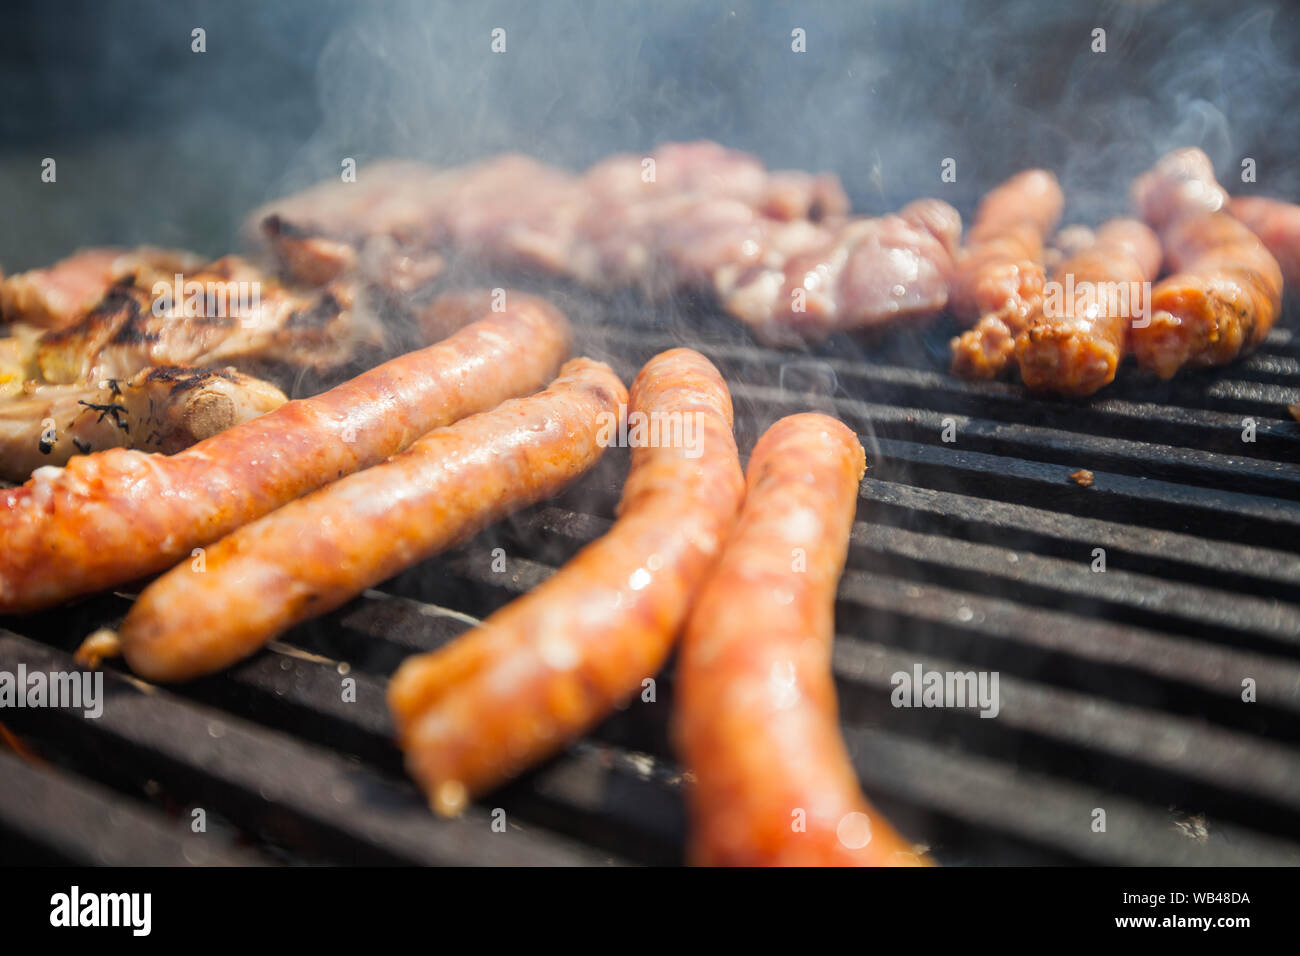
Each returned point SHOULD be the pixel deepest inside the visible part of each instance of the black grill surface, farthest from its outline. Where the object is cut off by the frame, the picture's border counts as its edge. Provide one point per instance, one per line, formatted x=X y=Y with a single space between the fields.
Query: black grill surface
x=1119 y=690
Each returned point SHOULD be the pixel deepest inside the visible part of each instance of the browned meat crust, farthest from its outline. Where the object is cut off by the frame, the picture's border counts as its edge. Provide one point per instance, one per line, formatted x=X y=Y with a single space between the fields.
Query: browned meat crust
x=162 y=409
x=1277 y=224
x=232 y=313
x=118 y=515
x=776 y=248
x=1074 y=346
x=1226 y=290
x=756 y=718
x=320 y=551
x=544 y=669
x=62 y=294
x=1000 y=274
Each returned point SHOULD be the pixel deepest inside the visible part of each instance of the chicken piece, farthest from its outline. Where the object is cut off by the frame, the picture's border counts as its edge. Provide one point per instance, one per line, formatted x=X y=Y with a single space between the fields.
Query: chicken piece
x=163 y=409
x=61 y=295
x=227 y=312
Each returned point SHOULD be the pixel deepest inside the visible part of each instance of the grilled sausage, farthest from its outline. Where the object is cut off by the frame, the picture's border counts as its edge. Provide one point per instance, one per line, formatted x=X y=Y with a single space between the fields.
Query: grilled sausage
x=1068 y=241
x=118 y=515
x=1277 y=224
x=1221 y=301
x=1181 y=183
x=319 y=552
x=1074 y=346
x=550 y=665
x=1227 y=288
x=1000 y=274
x=756 y=713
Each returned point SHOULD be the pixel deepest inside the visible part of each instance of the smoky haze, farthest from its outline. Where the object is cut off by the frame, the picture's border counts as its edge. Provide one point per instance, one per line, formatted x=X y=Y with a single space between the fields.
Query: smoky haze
x=156 y=143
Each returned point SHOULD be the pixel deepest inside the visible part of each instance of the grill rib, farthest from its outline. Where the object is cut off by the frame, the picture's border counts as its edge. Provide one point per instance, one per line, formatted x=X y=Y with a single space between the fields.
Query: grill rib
x=1119 y=690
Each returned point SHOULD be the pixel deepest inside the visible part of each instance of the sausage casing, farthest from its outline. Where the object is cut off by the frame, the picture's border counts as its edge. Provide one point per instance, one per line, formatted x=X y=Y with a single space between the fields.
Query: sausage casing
x=1000 y=274
x=118 y=515
x=318 y=552
x=1223 y=297
x=1074 y=346
x=756 y=718
x=1277 y=224
x=548 y=666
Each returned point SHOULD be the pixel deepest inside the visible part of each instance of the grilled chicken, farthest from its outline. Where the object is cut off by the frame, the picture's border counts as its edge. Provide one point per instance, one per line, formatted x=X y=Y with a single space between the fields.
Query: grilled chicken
x=854 y=274
x=227 y=312
x=162 y=358
x=687 y=217
x=163 y=409
x=61 y=295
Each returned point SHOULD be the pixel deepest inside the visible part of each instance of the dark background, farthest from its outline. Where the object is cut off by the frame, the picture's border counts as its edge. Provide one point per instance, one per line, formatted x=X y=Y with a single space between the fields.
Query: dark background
x=157 y=143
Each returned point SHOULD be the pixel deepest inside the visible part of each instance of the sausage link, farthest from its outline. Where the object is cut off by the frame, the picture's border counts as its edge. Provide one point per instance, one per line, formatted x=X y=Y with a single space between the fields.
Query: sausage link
x=1181 y=183
x=999 y=280
x=1075 y=350
x=320 y=551
x=756 y=716
x=1277 y=224
x=547 y=667
x=118 y=515
x=1221 y=301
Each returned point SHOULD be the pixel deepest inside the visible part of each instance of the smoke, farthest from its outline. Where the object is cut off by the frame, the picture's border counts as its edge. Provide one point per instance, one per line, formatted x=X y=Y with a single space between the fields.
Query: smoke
x=166 y=145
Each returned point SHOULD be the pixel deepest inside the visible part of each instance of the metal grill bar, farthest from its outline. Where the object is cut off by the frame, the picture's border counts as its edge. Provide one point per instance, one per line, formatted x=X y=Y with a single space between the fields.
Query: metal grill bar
x=1118 y=690
x=268 y=781
x=95 y=826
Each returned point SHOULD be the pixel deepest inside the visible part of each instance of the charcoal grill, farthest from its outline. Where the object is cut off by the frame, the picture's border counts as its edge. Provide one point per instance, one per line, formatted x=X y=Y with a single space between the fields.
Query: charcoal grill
x=1120 y=690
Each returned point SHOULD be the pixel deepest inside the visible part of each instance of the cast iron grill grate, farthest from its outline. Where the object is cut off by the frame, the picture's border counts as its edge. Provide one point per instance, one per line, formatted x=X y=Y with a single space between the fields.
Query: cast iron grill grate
x=1119 y=690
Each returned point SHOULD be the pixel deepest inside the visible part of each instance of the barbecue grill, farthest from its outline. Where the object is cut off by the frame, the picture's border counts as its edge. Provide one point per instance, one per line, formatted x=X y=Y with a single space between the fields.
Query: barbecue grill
x=1127 y=618
x=1120 y=690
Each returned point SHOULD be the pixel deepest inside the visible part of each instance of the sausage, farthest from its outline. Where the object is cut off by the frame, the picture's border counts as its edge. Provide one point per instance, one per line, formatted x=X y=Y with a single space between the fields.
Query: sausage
x=1226 y=290
x=1068 y=241
x=319 y=552
x=547 y=667
x=1182 y=182
x=120 y=514
x=756 y=717
x=1277 y=224
x=1073 y=346
x=1221 y=301
x=999 y=280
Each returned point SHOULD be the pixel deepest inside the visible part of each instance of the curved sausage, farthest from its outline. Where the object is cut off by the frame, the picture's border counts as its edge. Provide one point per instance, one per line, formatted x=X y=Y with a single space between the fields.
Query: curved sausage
x=319 y=552
x=1226 y=290
x=1182 y=182
x=1073 y=346
x=999 y=280
x=756 y=719
x=1277 y=224
x=1068 y=241
x=1221 y=301
x=548 y=666
x=118 y=515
